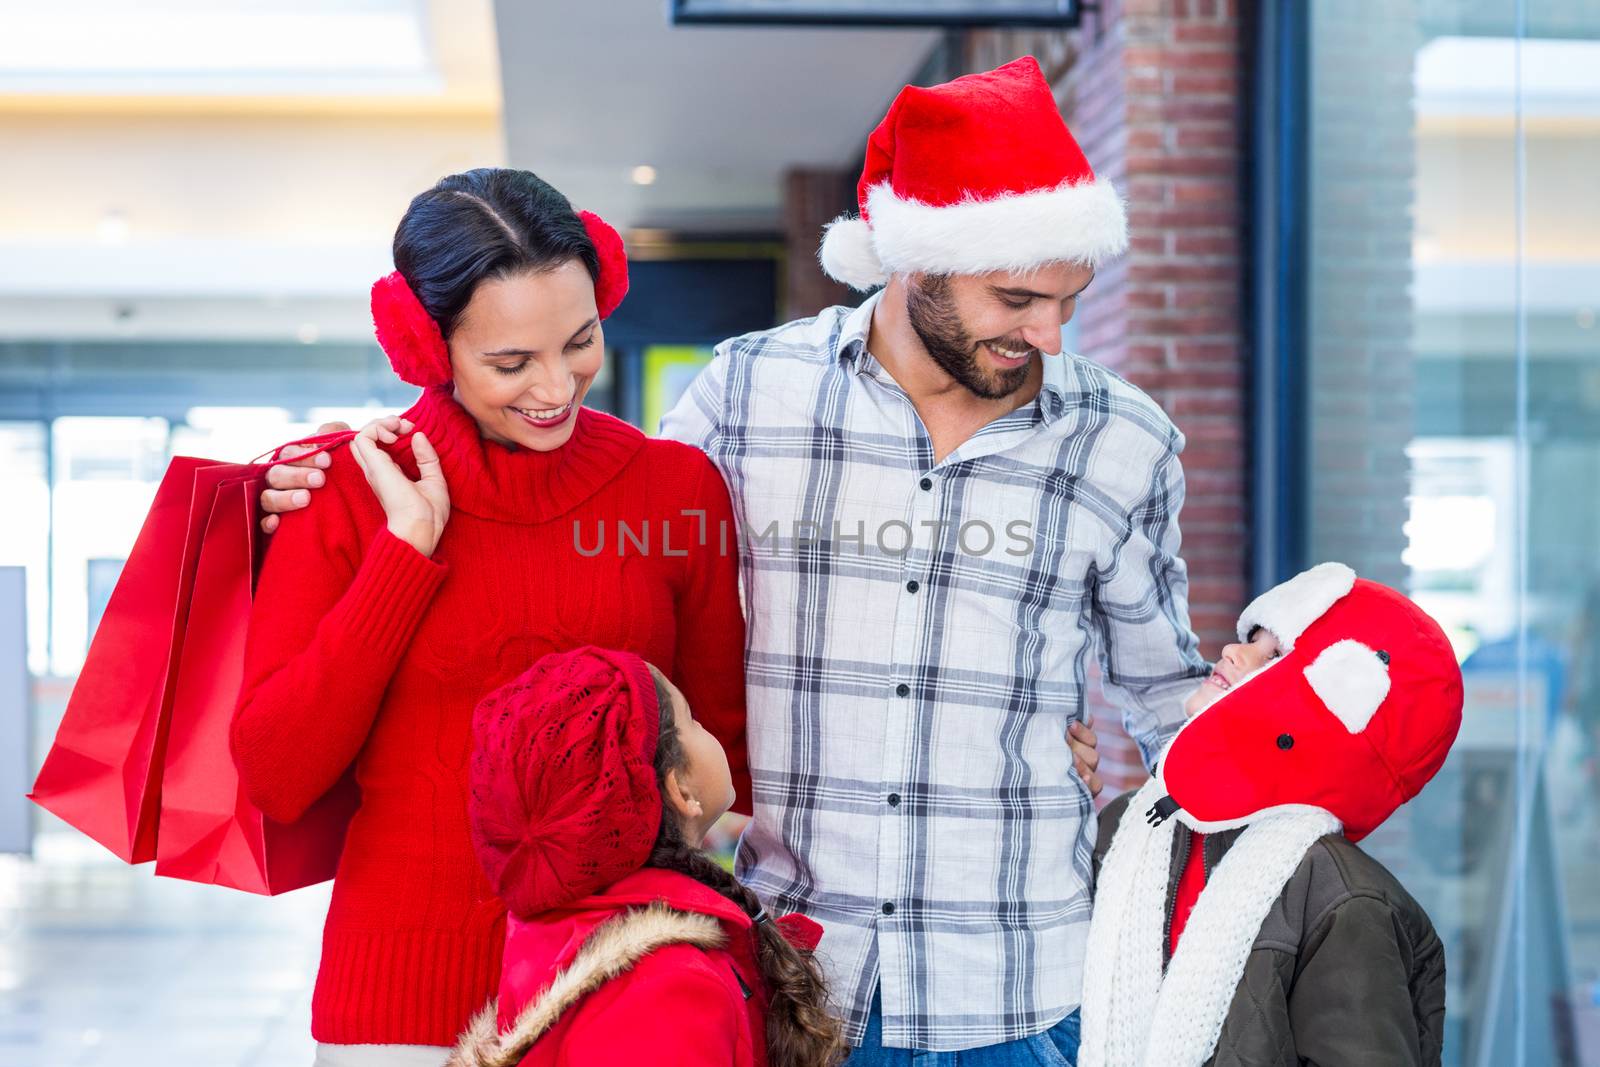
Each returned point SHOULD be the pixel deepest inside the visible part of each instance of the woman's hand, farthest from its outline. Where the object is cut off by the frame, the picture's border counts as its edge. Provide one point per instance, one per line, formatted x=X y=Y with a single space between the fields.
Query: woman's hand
x=291 y=482
x=417 y=510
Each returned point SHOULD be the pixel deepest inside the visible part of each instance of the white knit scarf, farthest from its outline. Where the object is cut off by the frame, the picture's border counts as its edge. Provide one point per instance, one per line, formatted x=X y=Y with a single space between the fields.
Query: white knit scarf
x=1132 y=1017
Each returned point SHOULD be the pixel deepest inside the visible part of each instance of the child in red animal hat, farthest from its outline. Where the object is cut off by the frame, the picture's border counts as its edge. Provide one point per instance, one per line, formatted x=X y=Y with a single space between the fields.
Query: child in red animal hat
x=591 y=789
x=1236 y=922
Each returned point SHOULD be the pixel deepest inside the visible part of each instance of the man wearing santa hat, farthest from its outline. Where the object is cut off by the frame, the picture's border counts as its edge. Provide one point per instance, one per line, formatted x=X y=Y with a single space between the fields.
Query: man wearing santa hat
x=944 y=517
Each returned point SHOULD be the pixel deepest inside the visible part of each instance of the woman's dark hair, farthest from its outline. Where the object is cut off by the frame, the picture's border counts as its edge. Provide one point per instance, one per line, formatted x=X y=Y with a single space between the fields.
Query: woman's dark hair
x=493 y=222
x=800 y=1030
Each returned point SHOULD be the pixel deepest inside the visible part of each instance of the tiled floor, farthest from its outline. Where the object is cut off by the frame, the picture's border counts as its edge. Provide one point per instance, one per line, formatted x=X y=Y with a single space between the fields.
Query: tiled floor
x=102 y=964
x=105 y=964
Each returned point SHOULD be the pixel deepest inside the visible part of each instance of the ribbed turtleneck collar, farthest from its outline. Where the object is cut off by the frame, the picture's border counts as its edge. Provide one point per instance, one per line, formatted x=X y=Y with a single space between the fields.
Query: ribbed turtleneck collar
x=510 y=484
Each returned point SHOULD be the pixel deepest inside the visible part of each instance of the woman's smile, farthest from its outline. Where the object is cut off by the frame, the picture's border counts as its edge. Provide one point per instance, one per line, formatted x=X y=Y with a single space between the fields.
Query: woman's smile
x=543 y=418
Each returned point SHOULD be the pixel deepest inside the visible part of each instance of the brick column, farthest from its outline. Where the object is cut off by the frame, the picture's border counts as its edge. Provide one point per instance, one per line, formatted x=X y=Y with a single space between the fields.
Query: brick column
x=1152 y=90
x=812 y=198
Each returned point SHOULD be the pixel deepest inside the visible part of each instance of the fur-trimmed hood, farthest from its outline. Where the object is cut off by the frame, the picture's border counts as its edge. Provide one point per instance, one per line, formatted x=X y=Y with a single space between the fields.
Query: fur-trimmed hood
x=656 y=956
x=614 y=947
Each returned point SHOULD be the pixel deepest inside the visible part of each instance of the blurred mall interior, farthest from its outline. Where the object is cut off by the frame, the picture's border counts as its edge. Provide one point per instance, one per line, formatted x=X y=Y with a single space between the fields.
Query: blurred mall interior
x=1364 y=280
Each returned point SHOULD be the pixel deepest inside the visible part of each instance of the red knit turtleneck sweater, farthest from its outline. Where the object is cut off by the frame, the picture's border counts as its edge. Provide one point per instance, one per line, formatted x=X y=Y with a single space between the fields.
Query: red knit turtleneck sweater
x=362 y=651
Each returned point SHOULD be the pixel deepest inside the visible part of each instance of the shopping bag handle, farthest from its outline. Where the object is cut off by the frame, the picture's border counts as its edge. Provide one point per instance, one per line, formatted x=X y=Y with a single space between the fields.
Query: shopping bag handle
x=325 y=442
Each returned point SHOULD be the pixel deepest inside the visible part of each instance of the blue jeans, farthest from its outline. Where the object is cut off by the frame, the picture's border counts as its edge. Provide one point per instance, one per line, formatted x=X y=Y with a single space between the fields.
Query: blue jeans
x=1056 y=1047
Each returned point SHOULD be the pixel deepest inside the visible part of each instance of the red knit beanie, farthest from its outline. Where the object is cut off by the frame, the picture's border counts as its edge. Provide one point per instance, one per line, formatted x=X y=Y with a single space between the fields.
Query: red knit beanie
x=563 y=799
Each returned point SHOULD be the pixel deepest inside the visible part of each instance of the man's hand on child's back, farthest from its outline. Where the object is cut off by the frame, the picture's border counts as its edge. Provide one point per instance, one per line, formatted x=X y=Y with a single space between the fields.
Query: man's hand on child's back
x=1085 y=745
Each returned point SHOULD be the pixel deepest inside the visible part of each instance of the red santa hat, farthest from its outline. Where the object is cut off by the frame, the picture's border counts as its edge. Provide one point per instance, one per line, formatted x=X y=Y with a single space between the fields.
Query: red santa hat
x=978 y=174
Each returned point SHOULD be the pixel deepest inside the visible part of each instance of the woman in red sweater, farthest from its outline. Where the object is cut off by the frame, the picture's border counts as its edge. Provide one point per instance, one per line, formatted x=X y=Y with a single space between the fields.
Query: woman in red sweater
x=502 y=522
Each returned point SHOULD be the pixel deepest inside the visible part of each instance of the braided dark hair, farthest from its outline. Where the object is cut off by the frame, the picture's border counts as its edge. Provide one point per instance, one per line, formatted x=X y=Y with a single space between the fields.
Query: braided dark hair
x=800 y=1030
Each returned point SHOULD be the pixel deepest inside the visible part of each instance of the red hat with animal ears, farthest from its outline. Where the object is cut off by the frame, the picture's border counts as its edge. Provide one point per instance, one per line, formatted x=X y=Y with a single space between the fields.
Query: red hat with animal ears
x=1354 y=717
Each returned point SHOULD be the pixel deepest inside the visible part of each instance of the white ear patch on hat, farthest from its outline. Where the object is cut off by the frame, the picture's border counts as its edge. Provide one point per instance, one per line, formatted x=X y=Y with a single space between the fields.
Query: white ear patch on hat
x=1351 y=680
x=1286 y=610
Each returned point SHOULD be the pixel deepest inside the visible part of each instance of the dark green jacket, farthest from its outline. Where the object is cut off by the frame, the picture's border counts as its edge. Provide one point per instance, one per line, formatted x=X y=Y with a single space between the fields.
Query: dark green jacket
x=1346 y=972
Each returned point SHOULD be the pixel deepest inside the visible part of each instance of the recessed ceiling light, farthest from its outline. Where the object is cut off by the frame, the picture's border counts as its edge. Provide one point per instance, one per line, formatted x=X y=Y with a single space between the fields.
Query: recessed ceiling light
x=644 y=175
x=113 y=227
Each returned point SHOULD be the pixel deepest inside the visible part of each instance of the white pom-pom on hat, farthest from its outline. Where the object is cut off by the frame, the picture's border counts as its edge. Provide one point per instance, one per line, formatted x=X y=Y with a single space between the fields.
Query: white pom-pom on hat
x=848 y=255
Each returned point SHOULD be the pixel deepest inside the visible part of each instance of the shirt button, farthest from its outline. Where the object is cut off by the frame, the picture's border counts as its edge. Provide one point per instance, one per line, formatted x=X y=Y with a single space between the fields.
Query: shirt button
x=902 y=690
x=912 y=586
x=888 y=908
x=894 y=800
x=926 y=483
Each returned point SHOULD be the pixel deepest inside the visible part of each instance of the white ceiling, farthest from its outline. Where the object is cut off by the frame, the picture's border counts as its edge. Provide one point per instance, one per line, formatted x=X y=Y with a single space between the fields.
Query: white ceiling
x=593 y=88
x=217 y=47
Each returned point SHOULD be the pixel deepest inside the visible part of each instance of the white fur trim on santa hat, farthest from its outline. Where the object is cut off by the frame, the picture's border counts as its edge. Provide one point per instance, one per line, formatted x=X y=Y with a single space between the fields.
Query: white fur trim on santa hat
x=1083 y=223
x=1351 y=680
x=847 y=254
x=1286 y=610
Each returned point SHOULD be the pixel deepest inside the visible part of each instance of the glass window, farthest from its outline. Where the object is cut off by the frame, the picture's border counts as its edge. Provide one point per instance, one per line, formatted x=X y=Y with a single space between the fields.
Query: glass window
x=25 y=535
x=1454 y=451
x=106 y=471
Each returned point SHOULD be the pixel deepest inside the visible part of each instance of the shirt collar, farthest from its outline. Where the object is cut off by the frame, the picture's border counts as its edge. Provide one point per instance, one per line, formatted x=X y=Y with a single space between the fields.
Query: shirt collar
x=1056 y=387
x=853 y=333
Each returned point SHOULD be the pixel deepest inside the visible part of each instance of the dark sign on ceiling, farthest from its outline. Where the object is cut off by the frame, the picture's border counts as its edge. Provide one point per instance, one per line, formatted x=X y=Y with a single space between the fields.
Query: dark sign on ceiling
x=1057 y=13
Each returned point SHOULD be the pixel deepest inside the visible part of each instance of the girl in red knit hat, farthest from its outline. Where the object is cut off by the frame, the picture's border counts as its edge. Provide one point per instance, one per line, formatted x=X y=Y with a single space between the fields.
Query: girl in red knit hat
x=592 y=787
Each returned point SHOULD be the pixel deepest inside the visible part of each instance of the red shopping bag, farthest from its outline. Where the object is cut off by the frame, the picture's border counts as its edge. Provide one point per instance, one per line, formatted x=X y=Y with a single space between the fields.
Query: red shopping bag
x=209 y=832
x=104 y=771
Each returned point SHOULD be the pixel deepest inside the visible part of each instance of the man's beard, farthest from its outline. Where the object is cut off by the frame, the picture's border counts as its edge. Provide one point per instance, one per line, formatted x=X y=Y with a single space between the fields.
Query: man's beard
x=932 y=312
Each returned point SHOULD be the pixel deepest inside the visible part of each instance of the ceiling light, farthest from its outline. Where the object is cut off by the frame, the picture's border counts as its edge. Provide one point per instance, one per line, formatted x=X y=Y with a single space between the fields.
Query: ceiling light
x=644 y=175
x=113 y=228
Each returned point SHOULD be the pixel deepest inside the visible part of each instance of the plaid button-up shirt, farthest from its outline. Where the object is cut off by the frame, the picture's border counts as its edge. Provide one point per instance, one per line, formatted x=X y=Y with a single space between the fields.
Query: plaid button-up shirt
x=918 y=638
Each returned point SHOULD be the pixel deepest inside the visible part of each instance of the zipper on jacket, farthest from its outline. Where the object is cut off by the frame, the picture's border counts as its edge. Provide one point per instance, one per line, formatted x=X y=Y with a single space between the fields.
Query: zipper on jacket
x=1186 y=838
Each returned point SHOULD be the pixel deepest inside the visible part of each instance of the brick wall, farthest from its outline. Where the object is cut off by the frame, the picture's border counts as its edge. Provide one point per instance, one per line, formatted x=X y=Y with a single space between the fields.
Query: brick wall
x=812 y=198
x=1152 y=89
